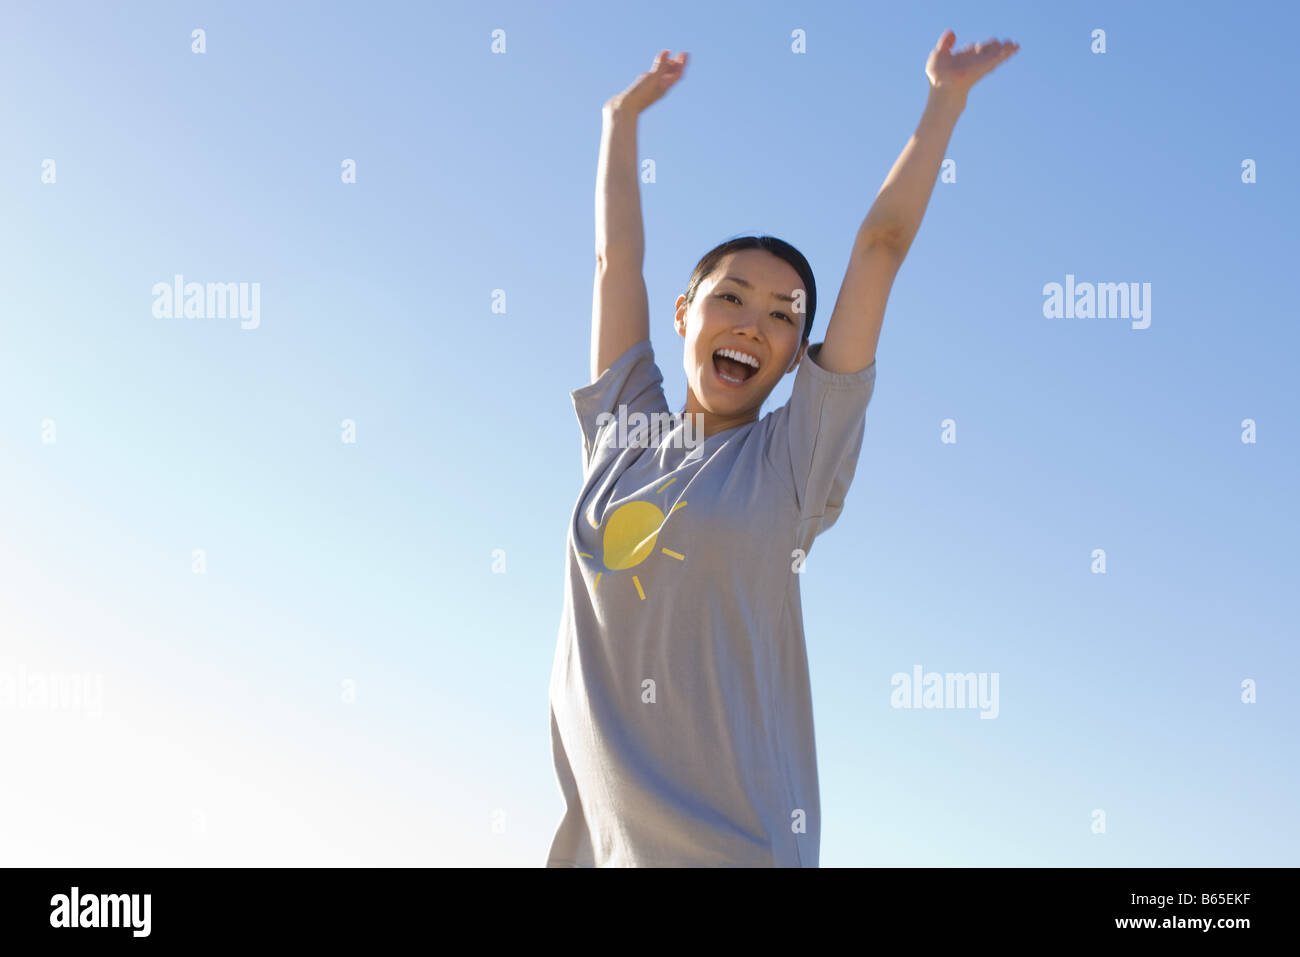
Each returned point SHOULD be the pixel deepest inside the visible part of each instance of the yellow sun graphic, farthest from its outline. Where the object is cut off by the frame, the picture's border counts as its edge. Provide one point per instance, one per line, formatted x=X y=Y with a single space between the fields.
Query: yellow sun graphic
x=630 y=535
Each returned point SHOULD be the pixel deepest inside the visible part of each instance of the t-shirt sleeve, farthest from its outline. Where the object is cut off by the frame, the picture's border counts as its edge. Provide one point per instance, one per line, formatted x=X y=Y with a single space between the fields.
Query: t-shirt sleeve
x=634 y=381
x=816 y=438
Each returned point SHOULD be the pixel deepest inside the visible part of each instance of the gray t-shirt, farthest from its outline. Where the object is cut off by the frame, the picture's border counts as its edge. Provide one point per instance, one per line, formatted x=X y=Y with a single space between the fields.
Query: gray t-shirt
x=681 y=711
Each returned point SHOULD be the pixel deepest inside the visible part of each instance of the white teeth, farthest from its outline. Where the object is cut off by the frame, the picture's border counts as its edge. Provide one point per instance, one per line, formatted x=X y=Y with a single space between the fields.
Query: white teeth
x=738 y=356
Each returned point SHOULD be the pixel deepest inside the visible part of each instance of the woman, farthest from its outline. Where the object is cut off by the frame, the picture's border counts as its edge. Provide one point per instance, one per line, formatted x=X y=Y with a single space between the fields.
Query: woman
x=681 y=716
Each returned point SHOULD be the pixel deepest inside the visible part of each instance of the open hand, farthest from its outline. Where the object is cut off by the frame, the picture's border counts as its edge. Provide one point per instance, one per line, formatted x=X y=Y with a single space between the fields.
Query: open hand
x=959 y=71
x=649 y=87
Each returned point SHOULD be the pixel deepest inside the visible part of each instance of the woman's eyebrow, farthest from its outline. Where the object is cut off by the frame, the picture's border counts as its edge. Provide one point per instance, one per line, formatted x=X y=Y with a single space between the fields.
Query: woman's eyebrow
x=741 y=282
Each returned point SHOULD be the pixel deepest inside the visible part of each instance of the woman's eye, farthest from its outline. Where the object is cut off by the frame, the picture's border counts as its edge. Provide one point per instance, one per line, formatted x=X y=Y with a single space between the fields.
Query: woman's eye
x=728 y=295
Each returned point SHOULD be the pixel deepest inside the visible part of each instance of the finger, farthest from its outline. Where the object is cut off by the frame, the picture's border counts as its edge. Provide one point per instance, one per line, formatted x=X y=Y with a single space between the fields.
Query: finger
x=947 y=40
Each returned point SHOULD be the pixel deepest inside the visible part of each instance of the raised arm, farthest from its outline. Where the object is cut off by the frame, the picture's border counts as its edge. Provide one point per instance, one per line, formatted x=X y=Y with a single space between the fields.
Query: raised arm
x=620 y=311
x=892 y=223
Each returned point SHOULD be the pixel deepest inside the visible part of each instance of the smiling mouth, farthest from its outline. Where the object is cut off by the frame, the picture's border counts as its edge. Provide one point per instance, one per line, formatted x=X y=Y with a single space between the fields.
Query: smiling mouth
x=731 y=371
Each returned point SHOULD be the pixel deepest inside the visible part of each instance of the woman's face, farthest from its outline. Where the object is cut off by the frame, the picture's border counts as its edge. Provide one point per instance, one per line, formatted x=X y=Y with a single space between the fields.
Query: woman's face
x=743 y=305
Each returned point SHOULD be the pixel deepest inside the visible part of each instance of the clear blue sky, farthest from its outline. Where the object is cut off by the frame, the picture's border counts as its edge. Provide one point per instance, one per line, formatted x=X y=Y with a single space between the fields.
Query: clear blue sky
x=223 y=737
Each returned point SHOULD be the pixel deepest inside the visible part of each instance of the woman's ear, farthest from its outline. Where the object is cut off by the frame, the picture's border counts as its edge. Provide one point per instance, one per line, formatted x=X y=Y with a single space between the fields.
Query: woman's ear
x=799 y=354
x=679 y=315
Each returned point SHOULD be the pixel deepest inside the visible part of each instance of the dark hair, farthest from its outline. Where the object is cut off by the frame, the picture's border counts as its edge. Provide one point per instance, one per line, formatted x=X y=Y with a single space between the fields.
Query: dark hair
x=777 y=247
